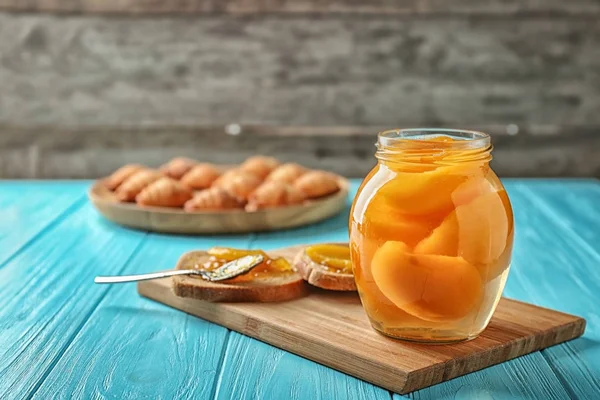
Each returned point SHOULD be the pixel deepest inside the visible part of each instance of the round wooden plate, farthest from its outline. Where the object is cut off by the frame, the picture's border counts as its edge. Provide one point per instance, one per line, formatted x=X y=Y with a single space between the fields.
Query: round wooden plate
x=175 y=220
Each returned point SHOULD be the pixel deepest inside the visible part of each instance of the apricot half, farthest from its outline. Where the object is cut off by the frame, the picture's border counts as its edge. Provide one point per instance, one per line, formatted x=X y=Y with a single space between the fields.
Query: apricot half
x=472 y=188
x=430 y=287
x=477 y=231
x=428 y=192
x=382 y=221
x=443 y=241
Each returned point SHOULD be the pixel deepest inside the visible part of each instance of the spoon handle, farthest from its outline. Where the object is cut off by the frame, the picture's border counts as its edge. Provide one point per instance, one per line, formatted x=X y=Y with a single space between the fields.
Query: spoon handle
x=145 y=277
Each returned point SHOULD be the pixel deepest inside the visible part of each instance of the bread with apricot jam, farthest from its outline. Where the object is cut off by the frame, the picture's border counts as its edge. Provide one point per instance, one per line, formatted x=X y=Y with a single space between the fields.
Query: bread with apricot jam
x=271 y=281
x=326 y=266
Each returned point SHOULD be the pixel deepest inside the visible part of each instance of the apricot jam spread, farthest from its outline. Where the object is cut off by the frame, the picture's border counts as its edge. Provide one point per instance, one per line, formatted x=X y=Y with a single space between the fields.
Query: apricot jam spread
x=431 y=232
x=334 y=257
x=218 y=256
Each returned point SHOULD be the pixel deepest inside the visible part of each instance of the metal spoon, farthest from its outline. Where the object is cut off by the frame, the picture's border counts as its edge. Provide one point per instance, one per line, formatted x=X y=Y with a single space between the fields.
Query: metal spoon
x=226 y=271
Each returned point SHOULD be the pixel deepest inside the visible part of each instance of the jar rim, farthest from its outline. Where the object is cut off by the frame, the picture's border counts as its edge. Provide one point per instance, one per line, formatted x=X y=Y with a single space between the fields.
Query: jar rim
x=463 y=139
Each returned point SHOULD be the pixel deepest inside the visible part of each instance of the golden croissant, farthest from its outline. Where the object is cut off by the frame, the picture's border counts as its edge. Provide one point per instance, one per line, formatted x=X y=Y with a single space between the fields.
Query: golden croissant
x=214 y=198
x=227 y=175
x=136 y=183
x=241 y=184
x=201 y=176
x=165 y=192
x=178 y=167
x=286 y=173
x=316 y=184
x=119 y=176
x=274 y=194
x=260 y=166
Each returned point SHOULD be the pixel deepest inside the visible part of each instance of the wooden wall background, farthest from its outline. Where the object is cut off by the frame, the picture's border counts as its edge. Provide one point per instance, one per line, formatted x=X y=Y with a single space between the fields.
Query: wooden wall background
x=87 y=85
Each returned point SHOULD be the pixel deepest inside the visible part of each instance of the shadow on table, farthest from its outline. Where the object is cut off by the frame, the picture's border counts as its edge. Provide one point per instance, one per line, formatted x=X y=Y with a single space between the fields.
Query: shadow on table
x=142 y=311
x=575 y=354
x=585 y=343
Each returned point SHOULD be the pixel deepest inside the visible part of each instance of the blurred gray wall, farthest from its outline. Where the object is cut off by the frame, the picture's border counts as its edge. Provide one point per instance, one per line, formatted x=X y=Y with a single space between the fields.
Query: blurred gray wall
x=87 y=85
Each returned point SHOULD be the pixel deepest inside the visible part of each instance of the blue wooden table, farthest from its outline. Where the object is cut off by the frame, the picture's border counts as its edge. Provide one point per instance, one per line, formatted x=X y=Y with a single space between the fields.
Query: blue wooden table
x=61 y=336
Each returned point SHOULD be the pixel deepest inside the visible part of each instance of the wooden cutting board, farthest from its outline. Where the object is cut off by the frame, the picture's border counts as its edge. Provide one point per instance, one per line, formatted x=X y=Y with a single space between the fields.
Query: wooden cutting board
x=331 y=328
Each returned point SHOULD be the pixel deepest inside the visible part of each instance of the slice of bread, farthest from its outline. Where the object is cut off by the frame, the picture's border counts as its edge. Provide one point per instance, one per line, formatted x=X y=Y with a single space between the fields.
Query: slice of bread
x=320 y=276
x=278 y=286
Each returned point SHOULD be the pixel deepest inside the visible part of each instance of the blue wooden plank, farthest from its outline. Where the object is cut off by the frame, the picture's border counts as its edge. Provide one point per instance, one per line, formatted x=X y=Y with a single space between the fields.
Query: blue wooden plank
x=569 y=234
x=141 y=348
x=255 y=370
x=574 y=205
x=552 y=265
x=47 y=294
x=28 y=208
x=528 y=377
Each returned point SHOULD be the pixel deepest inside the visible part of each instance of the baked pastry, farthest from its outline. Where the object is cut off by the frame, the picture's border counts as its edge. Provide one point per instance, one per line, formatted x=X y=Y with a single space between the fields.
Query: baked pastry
x=287 y=173
x=165 y=192
x=136 y=183
x=201 y=176
x=317 y=184
x=227 y=175
x=214 y=198
x=274 y=194
x=240 y=184
x=178 y=167
x=260 y=166
x=119 y=176
x=331 y=269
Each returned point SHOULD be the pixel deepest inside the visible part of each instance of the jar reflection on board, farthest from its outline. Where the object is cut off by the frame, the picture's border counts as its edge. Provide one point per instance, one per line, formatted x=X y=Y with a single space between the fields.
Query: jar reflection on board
x=431 y=234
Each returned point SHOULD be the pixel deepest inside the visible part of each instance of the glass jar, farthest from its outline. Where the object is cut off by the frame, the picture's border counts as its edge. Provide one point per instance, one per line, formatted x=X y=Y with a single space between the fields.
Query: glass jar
x=431 y=233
